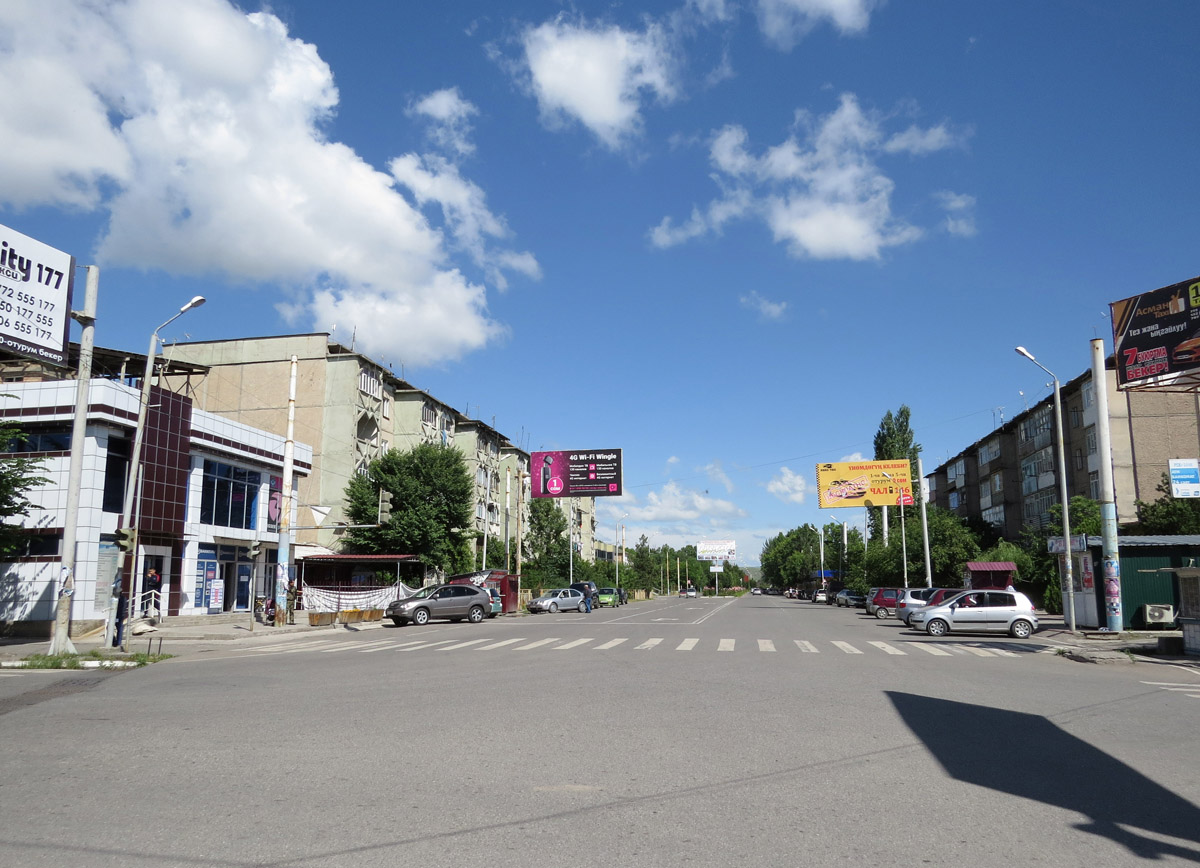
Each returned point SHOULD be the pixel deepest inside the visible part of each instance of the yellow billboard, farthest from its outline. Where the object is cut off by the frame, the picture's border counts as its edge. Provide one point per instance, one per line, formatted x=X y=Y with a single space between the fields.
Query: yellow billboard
x=864 y=483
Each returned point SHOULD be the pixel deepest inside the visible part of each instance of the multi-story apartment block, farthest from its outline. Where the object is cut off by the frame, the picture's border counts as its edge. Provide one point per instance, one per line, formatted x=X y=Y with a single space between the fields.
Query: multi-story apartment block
x=1010 y=477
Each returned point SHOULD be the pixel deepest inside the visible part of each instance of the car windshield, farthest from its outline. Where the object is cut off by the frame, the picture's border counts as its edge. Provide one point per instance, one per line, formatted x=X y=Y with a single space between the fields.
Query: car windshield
x=549 y=594
x=425 y=592
x=608 y=590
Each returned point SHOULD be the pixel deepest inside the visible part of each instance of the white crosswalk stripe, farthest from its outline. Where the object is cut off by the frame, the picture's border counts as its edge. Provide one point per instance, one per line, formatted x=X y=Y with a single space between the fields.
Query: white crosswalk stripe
x=462 y=645
x=294 y=649
x=495 y=645
x=726 y=645
x=356 y=647
x=538 y=644
x=847 y=647
x=611 y=644
x=570 y=645
x=930 y=649
x=392 y=646
x=807 y=647
x=647 y=645
x=688 y=644
x=979 y=652
x=766 y=645
x=886 y=648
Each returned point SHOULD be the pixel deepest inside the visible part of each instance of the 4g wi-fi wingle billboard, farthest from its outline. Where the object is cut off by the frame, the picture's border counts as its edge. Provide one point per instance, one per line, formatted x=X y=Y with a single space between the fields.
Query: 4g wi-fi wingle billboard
x=577 y=473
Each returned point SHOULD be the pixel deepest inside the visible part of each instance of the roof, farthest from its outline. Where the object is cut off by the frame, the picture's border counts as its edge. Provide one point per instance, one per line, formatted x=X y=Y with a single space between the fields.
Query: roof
x=1156 y=540
x=991 y=566
x=336 y=559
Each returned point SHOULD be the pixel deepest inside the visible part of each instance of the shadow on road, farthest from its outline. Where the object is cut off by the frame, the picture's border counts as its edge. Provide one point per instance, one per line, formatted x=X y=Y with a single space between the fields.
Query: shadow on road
x=1048 y=765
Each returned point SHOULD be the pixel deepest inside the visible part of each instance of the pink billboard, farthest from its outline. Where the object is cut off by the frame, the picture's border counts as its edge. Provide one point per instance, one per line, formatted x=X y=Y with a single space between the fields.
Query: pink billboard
x=592 y=473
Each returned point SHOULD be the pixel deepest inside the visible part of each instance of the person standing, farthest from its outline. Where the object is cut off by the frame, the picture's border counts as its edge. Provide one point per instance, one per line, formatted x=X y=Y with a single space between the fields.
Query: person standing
x=291 y=603
x=151 y=591
x=587 y=598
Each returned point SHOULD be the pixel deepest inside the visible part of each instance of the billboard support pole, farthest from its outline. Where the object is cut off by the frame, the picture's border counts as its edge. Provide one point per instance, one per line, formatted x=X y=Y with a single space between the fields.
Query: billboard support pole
x=924 y=527
x=1115 y=619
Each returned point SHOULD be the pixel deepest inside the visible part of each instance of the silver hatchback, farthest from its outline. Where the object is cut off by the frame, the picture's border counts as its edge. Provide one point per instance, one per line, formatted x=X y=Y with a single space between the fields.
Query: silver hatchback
x=1008 y=612
x=557 y=600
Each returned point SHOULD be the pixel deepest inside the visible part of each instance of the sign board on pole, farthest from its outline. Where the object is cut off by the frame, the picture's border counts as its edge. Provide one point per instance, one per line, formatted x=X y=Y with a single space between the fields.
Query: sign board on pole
x=590 y=473
x=863 y=483
x=1156 y=335
x=35 y=298
x=1185 y=477
x=715 y=568
x=1056 y=546
x=716 y=550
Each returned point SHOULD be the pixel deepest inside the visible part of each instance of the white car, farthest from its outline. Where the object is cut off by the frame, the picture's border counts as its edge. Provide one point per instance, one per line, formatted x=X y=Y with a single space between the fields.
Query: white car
x=558 y=600
x=755 y=591
x=1008 y=612
x=819 y=596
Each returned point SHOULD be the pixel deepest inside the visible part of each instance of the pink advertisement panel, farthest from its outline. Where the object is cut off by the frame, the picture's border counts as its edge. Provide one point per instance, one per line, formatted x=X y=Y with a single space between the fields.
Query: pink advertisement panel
x=591 y=473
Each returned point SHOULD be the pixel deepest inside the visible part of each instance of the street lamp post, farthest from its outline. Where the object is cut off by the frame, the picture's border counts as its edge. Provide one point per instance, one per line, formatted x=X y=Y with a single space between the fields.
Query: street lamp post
x=617 y=549
x=135 y=462
x=1062 y=482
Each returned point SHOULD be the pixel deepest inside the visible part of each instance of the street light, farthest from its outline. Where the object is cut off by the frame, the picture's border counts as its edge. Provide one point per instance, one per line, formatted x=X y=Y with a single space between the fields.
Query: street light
x=1062 y=482
x=617 y=548
x=135 y=459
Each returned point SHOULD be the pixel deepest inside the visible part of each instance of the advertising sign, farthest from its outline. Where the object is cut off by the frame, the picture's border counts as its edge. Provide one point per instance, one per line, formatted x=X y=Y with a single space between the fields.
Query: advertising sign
x=35 y=298
x=592 y=473
x=1157 y=334
x=1185 y=477
x=863 y=483
x=716 y=550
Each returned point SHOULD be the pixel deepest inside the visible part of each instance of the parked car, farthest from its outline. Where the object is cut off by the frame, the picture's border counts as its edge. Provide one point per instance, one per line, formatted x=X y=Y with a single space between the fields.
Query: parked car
x=558 y=600
x=608 y=597
x=819 y=595
x=882 y=601
x=452 y=602
x=913 y=598
x=849 y=598
x=583 y=587
x=754 y=592
x=940 y=595
x=979 y=611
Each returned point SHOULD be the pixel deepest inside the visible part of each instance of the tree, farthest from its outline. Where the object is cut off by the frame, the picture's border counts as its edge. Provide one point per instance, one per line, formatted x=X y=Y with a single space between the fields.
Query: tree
x=549 y=559
x=432 y=507
x=1167 y=514
x=894 y=441
x=18 y=476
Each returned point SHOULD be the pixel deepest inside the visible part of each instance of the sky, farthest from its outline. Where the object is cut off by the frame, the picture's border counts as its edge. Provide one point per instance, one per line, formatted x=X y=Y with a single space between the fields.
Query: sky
x=724 y=237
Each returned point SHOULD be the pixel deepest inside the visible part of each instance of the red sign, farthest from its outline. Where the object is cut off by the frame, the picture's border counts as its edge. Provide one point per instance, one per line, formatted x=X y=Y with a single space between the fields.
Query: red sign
x=904 y=499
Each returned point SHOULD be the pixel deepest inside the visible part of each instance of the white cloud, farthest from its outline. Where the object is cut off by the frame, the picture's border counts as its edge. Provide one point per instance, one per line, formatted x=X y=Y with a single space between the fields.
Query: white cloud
x=717 y=474
x=917 y=141
x=200 y=130
x=960 y=212
x=788 y=486
x=824 y=196
x=675 y=504
x=674 y=459
x=766 y=308
x=451 y=115
x=853 y=456
x=786 y=22
x=597 y=75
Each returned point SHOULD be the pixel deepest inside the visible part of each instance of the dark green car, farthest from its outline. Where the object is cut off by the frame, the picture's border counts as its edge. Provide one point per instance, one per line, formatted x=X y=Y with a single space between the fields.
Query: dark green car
x=608 y=597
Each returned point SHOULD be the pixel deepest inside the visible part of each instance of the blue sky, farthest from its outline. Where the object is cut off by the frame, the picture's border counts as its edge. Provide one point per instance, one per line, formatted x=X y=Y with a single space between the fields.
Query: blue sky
x=725 y=237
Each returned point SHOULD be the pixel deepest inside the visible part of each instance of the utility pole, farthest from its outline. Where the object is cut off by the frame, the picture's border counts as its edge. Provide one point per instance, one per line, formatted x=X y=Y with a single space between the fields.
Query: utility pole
x=284 y=555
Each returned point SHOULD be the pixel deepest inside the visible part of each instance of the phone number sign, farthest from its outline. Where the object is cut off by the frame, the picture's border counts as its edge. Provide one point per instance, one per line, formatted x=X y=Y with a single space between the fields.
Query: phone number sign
x=35 y=298
x=577 y=473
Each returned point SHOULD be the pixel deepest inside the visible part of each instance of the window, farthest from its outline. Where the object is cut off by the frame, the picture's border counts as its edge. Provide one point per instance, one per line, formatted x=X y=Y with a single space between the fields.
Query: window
x=1076 y=417
x=387 y=407
x=1089 y=394
x=1040 y=421
x=956 y=471
x=428 y=415
x=989 y=451
x=1036 y=509
x=1079 y=459
x=997 y=482
x=1035 y=466
x=994 y=515
x=229 y=496
x=954 y=500
x=369 y=383
x=116 y=474
x=1091 y=440
x=40 y=441
x=1094 y=485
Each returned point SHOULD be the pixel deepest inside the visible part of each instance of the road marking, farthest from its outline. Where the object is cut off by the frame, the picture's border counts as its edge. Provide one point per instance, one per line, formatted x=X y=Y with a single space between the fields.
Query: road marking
x=664 y=619
x=687 y=644
x=538 y=644
x=726 y=645
x=930 y=649
x=392 y=646
x=978 y=652
x=288 y=648
x=647 y=645
x=885 y=647
x=611 y=644
x=847 y=647
x=351 y=646
x=574 y=644
x=766 y=645
x=807 y=647
x=501 y=644
x=1004 y=652
x=462 y=645
x=424 y=645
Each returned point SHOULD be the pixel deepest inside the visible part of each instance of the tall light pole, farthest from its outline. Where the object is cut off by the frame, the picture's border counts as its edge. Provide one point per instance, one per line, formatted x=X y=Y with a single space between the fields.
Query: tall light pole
x=617 y=548
x=1062 y=482
x=135 y=461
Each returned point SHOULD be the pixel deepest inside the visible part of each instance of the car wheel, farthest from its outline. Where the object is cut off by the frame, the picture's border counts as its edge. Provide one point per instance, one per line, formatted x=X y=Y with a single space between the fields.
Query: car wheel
x=881 y=613
x=937 y=627
x=553 y=608
x=475 y=616
x=398 y=622
x=420 y=616
x=1020 y=629
x=582 y=607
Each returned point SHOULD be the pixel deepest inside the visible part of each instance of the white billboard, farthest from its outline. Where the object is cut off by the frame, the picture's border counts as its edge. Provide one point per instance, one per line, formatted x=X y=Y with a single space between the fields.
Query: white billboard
x=35 y=298
x=1185 y=477
x=716 y=550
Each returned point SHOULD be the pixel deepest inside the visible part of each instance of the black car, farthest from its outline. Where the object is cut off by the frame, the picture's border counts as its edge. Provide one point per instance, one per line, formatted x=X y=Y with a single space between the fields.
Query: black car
x=588 y=589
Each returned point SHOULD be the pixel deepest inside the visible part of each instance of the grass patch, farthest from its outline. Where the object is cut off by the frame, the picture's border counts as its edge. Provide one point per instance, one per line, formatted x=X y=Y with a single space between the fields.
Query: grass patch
x=77 y=661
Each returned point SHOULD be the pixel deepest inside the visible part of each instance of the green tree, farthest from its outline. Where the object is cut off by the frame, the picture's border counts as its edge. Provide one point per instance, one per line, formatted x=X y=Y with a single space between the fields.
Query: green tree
x=549 y=558
x=895 y=441
x=432 y=507
x=1042 y=577
x=18 y=476
x=1168 y=514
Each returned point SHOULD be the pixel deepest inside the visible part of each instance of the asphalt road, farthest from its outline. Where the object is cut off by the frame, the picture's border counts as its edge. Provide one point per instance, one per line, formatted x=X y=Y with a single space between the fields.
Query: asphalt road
x=677 y=732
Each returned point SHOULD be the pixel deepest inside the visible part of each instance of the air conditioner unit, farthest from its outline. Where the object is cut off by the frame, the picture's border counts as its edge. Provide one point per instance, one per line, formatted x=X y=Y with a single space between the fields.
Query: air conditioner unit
x=1159 y=615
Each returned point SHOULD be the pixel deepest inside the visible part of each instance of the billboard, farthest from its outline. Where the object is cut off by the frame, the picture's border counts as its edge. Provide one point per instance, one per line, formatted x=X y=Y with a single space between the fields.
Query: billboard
x=35 y=298
x=591 y=473
x=863 y=483
x=716 y=550
x=1157 y=334
x=1185 y=477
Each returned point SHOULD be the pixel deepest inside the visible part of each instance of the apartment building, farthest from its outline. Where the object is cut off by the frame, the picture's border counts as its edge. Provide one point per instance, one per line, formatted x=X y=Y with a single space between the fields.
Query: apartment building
x=1009 y=478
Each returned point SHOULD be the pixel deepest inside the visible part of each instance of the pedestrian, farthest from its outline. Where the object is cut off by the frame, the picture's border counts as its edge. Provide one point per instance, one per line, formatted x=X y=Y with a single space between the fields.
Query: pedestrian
x=587 y=598
x=291 y=603
x=151 y=591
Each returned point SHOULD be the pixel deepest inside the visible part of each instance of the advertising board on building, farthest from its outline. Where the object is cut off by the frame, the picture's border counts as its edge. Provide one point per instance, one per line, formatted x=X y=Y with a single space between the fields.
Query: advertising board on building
x=864 y=483
x=1156 y=335
x=1185 y=477
x=35 y=298
x=716 y=550
x=577 y=473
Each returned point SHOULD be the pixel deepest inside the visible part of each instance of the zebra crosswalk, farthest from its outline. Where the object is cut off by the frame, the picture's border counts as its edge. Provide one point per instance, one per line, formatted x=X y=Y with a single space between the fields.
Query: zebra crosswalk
x=652 y=644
